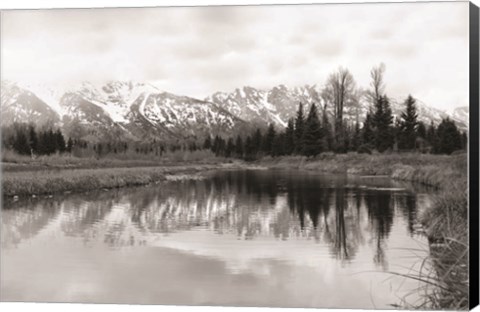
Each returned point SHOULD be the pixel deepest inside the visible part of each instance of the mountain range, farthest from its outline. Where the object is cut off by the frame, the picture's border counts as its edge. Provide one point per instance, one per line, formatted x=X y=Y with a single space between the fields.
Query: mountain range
x=141 y=111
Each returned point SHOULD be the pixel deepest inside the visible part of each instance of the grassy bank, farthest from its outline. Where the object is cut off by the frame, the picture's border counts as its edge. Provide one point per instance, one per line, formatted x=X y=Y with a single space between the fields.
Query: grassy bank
x=41 y=182
x=434 y=170
x=445 y=222
x=14 y=162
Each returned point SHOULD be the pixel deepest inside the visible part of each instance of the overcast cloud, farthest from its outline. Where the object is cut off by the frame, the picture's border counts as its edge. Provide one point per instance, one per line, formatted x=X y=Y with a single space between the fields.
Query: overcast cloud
x=198 y=51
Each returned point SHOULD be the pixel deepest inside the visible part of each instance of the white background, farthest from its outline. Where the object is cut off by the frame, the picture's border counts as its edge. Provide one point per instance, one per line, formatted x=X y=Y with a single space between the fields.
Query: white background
x=37 y=4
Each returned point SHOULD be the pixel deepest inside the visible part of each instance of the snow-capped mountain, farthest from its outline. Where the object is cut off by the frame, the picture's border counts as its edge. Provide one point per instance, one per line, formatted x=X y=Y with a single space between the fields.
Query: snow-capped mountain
x=21 y=105
x=140 y=111
x=118 y=110
x=280 y=103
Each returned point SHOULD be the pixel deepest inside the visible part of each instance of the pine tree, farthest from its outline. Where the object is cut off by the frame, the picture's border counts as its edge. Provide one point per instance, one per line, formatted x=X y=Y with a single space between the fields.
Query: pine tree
x=421 y=130
x=368 y=135
x=278 y=147
x=312 y=136
x=207 y=144
x=268 y=139
x=382 y=122
x=218 y=147
x=60 y=142
x=432 y=137
x=249 y=148
x=408 y=125
x=51 y=142
x=289 y=144
x=33 y=139
x=230 y=148
x=21 y=144
x=299 y=127
x=257 y=140
x=239 y=147
x=449 y=138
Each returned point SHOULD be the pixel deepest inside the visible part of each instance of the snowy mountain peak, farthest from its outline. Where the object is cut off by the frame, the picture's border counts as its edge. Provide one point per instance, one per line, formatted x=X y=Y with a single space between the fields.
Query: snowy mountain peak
x=141 y=111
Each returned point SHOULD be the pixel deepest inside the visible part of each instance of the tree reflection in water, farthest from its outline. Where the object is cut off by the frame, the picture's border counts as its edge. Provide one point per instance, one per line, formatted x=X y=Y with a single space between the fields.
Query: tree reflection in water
x=331 y=210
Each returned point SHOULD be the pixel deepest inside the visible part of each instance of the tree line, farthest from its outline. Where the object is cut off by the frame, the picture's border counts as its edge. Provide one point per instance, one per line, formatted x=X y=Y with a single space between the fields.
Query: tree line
x=312 y=130
x=312 y=133
x=309 y=135
x=25 y=139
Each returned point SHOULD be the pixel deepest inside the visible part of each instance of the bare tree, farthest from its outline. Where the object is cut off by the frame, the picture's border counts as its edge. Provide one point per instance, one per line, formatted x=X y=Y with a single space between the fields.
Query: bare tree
x=377 y=83
x=339 y=89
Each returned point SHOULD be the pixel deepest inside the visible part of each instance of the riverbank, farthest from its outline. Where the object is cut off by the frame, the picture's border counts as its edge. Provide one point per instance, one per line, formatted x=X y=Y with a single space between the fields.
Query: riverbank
x=46 y=182
x=445 y=222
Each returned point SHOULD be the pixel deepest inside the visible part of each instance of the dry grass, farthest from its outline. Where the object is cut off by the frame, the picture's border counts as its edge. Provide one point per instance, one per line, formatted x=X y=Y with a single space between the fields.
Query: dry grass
x=78 y=180
x=13 y=162
x=424 y=168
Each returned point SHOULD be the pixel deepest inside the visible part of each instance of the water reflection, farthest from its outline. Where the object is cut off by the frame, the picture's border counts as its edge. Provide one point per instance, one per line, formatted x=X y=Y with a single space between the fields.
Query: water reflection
x=342 y=213
x=255 y=238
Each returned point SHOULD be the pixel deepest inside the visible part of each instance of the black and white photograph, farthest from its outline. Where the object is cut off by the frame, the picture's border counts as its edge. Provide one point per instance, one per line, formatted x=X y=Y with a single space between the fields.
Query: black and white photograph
x=285 y=156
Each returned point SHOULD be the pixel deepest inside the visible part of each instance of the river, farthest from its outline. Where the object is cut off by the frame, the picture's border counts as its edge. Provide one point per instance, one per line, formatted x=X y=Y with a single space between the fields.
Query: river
x=281 y=238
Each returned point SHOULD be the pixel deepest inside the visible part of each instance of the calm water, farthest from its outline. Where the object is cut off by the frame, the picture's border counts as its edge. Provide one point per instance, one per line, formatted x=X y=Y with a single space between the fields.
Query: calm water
x=248 y=238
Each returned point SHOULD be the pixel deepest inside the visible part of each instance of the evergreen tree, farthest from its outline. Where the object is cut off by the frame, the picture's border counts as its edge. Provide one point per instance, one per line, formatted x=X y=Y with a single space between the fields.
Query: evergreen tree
x=249 y=150
x=239 y=147
x=289 y=141
x=257 y=140
x=368 y=134
x=218 y=147
x=382 y=121
x=207 y=144
x=230 y=148
x=21 y=144
x=421 y=130
x=312 y=136
x=299 y=127
x=449 y=138
x=51 y=142
x=33 y=139
x=432 y=137
x=278 y=147
x=268 y=139
x=397 y=133
x=60 y=142
x=408 y=125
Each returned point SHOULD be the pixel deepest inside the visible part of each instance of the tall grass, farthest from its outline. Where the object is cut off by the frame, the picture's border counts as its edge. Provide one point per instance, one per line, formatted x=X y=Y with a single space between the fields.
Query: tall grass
x=78 y=180
x=12 y=161
x=416 y=167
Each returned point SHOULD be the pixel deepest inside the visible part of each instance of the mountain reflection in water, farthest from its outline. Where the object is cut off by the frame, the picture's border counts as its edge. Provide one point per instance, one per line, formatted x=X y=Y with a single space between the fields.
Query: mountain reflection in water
x=237 y=217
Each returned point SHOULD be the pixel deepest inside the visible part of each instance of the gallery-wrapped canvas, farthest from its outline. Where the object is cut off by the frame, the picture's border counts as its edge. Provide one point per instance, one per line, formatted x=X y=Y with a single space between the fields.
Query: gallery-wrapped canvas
x=299 y=156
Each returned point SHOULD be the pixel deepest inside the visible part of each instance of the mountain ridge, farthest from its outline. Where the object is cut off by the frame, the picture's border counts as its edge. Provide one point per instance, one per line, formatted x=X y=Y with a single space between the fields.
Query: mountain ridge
x=140 y=111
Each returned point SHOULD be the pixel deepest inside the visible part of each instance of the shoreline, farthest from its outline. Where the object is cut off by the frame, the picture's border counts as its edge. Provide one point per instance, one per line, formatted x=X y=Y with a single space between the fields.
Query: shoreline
x=27 y=179
x=443 y=222
x=24 y=183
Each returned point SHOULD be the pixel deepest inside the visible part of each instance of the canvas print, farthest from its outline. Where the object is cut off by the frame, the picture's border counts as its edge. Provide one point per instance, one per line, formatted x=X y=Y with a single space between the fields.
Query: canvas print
x=266 y=156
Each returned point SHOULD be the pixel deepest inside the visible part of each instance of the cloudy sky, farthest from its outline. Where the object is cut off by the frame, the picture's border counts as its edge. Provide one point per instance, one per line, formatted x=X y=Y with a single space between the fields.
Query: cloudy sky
x=198 y=51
